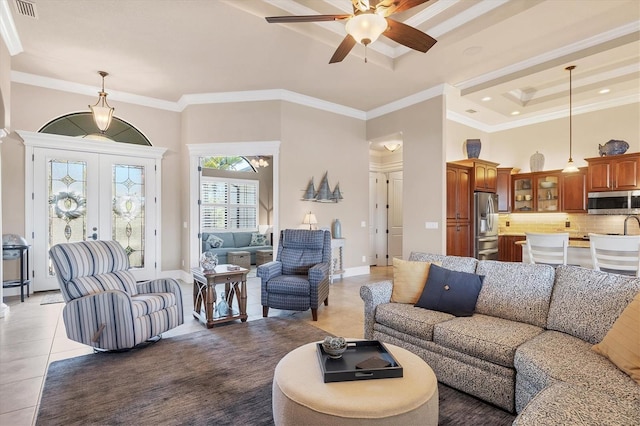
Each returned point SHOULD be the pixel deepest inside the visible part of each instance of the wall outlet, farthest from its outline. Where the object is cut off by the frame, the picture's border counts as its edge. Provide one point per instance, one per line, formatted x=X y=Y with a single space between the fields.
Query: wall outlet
x=431 y=225
x=508 y=223
x=363 y=224
x=364 y=259
x=567 y=224
x=182 y=262
x=184 y=225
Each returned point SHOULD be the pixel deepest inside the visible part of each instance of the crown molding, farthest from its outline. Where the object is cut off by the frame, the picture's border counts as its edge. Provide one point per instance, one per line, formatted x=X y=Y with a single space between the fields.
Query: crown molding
x=270 y=95
x=8 y=30
x=462 y=119
x=83 y=89
x=625 y=30
x=407 y=101
x=577 y=110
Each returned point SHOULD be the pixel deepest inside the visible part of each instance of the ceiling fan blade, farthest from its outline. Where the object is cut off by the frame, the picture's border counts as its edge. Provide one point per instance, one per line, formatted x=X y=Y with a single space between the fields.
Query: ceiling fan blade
x=389 y=7
x=343 y=50
x=305 y=18
x=409 y=36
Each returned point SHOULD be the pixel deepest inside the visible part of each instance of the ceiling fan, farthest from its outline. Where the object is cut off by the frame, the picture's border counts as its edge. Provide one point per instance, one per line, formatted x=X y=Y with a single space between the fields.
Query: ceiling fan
x=369 y=20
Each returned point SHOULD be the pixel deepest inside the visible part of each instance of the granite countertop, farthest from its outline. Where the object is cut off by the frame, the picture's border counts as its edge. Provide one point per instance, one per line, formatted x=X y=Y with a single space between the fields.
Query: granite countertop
x=580 y=243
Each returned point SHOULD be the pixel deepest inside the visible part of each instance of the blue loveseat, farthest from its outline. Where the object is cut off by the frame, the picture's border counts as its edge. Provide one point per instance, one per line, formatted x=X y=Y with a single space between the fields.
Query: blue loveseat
x=222 y=243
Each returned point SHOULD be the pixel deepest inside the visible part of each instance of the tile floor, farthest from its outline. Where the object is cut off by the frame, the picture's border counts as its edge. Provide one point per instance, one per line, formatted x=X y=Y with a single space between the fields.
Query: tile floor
x=33 y=335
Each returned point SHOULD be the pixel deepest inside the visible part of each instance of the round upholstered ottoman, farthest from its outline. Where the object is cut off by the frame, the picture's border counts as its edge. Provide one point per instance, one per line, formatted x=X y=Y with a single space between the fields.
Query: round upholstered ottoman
x=300 y=395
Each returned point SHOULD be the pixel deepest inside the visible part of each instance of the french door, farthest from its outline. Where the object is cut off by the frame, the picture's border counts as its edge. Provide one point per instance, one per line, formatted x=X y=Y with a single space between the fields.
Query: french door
x=80 y=196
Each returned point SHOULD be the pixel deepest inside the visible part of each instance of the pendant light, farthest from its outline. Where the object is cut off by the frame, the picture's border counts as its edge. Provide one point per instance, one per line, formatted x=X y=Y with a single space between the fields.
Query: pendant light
x=102 y=111
x=571 y=167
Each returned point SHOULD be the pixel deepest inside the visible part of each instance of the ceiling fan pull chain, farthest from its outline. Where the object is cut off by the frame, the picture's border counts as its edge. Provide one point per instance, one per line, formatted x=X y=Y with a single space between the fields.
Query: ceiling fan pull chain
x=365 y=53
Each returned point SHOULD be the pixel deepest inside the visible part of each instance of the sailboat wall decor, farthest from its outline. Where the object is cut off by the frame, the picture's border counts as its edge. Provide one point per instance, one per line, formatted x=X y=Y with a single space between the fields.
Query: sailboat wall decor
x=324 y=193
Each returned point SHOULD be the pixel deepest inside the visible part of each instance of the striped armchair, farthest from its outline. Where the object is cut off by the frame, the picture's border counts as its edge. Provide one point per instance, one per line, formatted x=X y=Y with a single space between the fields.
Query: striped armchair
x=299 y=277
x=104 y=306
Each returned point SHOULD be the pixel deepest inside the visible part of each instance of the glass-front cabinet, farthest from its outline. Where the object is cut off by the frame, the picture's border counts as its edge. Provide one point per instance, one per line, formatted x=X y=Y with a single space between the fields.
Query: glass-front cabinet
x=547 y=192
x=523 y=193
x=536 y=192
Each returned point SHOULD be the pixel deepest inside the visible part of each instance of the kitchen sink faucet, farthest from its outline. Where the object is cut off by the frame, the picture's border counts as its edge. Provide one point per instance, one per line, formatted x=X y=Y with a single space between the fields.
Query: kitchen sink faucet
x=627 y=219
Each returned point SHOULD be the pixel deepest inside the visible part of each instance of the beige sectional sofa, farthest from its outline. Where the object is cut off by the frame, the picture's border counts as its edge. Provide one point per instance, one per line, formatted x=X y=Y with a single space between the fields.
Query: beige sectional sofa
x=527 y=347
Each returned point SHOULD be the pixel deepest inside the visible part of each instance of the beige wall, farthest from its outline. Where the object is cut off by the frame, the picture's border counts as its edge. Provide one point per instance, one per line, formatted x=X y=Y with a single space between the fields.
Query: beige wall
x=457 y=135
x=514 y=147
x=5 y=87
x=312 y=142
x=423 y=135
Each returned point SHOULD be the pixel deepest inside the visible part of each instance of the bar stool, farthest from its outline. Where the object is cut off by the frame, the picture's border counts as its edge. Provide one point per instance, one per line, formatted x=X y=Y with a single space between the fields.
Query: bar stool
x=546 y=248
x=616 y=253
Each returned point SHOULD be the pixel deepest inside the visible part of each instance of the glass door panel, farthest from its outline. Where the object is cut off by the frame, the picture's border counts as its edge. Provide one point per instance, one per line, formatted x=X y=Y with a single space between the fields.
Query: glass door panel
x=128 y=219
x=523 y=194
x=93 y=196
x=548 y=193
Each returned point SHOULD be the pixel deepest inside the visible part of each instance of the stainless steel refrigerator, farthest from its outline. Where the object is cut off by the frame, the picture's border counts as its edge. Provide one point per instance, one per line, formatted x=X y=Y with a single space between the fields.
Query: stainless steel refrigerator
x=485 y=207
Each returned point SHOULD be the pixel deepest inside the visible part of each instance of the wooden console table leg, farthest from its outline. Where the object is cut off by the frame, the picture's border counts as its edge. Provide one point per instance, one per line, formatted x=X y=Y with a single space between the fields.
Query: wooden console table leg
x=210 y=302
x=197 y=299
x=243 y=298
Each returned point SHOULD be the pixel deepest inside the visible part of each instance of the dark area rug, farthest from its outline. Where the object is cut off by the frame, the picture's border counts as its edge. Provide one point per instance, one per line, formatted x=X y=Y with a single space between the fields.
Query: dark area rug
x=220 y=376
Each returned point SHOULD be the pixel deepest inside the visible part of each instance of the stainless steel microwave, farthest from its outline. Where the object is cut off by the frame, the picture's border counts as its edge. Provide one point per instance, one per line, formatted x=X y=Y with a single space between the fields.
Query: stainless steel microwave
x=614 y=202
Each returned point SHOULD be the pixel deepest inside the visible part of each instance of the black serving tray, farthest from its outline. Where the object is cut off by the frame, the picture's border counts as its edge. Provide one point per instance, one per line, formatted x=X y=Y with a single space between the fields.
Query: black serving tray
x=344 y=368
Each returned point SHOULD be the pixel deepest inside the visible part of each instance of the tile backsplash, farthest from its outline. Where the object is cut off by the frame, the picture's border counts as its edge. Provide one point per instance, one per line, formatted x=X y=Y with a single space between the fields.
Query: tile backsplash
x=580 y=224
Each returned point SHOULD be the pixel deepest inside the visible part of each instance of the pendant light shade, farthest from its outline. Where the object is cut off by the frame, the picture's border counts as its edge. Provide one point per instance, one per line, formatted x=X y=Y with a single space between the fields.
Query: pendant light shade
x=102 y=111
x=570 y=167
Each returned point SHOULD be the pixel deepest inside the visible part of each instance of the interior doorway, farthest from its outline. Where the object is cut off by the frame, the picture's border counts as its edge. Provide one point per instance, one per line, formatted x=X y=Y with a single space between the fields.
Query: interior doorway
x=385 y=200
x=226 y=149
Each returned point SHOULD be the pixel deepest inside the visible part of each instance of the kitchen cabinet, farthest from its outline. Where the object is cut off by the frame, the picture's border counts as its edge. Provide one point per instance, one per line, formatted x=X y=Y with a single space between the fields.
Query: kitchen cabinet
x=536 y=192
x=613 y=173
x=547 y=191
x=522 y=196
x=459 y=199
x=503 y=189
x=508 y=250
x=484 y=176
x=574 y=191
x=459 y=238
x=458 y=192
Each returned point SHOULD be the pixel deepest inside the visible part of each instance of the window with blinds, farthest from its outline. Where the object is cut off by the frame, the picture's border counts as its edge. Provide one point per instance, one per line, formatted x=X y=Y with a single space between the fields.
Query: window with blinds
x=228 y=204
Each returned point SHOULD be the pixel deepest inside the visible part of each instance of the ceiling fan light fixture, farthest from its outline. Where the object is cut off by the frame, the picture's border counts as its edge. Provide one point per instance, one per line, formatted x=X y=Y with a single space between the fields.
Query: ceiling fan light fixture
x=365 y=28
x=102 y=112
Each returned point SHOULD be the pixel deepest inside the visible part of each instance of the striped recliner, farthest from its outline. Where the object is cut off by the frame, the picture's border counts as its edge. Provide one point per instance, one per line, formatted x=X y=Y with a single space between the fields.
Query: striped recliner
x=105 y=307
x=299 y=277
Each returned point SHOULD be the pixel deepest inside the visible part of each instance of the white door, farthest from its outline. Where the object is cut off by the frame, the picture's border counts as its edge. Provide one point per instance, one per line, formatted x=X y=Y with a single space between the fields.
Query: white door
x=80 y=196
x=394 y=219
x=378 y=218
x=373 y=212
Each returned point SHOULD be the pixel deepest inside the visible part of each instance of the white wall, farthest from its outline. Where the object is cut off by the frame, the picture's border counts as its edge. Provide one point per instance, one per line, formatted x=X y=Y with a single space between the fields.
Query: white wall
x=423 y=134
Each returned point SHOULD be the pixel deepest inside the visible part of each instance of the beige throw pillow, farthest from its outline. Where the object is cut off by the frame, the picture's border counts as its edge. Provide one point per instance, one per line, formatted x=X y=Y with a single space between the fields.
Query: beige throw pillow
x=622 y=343
x=409 y=279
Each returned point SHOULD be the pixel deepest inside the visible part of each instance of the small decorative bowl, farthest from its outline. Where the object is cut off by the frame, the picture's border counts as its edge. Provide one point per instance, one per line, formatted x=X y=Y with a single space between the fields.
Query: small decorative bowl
x=334 y=346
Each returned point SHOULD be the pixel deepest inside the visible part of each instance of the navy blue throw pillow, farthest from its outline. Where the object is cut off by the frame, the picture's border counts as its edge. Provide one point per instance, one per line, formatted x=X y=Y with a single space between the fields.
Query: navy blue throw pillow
x=449 y=291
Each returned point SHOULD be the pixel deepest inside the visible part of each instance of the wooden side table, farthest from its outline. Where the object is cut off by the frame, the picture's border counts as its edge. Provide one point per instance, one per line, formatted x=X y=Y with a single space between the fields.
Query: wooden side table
x=24 y=269
x=205 y=296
